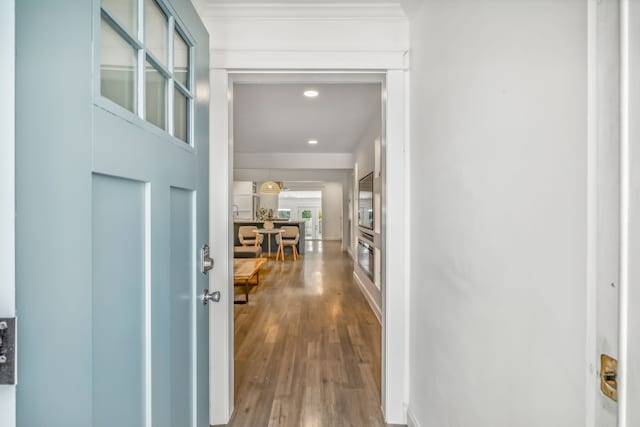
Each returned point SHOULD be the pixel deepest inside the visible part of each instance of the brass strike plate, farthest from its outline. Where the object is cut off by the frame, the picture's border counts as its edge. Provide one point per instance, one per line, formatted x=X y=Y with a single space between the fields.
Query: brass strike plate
x=609 y=376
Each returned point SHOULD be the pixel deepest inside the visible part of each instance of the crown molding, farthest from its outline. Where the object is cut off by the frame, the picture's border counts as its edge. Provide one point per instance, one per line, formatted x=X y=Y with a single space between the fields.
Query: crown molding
x=300 y=11
x=308 y=60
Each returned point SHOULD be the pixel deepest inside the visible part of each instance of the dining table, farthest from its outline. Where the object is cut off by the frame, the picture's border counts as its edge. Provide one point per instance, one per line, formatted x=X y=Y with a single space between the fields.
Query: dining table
x=269 y=232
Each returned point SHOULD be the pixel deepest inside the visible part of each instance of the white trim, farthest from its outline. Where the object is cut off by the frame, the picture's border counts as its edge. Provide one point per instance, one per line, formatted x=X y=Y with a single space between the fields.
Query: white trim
x=591 y=388
x=624 y=214
x=307 y=60
x=393 y=310
x=7 y=158
x=306 y=76
x=407 y=240
x=302 y=11
x=367 y=295
x=394 y=294
x=220 y=230
x=7 y=188
x=412 y=421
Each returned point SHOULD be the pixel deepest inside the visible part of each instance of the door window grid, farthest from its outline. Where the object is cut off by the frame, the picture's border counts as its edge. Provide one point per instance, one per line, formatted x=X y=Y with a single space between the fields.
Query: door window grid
x=176 y=79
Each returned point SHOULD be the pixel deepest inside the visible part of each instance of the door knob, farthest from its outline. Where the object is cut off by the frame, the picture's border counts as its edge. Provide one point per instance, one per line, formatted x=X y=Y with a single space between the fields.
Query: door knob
x=210 y=296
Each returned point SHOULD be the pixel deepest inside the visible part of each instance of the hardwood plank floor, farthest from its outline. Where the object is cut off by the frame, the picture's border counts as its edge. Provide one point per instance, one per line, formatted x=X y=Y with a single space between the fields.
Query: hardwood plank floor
x=307 y=346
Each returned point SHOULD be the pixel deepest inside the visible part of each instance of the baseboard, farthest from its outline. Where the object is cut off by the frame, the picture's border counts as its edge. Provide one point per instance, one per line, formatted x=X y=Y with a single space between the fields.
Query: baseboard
x=411 y=419
x=367 y=295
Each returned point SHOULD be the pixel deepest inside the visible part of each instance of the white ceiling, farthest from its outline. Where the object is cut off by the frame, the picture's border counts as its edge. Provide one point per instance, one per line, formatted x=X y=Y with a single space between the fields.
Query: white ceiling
x=278 y=118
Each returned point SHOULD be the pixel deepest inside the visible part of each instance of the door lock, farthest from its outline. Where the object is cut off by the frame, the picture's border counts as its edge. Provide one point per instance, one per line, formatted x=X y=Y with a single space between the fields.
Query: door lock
x=206 y=261
x=609 y=376
x=8 y=351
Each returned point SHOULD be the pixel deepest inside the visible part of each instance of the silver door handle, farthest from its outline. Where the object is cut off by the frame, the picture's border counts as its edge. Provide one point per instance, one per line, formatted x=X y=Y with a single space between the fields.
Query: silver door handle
x=210 y=296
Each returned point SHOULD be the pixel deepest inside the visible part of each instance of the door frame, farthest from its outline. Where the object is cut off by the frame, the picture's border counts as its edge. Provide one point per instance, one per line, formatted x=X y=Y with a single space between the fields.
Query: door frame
x=629 y=104
x=629 y=319
x=394 y=74
x=7 y=188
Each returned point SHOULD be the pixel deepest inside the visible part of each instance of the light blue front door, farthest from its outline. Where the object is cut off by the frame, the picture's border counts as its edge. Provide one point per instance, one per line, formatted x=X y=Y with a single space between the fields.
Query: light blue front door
x=112 y=201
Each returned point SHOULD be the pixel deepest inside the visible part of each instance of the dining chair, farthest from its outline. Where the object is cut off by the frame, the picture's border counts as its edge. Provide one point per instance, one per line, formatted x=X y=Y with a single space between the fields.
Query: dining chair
x=289 y=237
x=248 y=236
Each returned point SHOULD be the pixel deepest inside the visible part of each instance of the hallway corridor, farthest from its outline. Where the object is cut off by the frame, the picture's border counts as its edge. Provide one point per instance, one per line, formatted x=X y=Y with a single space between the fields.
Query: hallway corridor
x=307 y=346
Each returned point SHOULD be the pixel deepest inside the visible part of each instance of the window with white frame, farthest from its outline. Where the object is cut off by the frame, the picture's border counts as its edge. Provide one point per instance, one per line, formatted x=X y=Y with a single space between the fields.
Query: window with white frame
x=145 y=64
x=284 y=213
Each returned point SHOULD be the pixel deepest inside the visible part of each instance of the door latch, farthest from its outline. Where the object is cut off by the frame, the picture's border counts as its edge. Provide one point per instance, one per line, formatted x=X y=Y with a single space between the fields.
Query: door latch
x=609 y=376
x=8 y=350
x=206 y=261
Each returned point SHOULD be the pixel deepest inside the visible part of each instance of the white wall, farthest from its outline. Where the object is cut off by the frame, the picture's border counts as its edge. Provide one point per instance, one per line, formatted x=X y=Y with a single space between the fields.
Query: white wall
x=498 y=201
x=243 y=200
x=364 y=154
x=364 y=163
x=7 y=188
x=364 y=157
x=332 y=211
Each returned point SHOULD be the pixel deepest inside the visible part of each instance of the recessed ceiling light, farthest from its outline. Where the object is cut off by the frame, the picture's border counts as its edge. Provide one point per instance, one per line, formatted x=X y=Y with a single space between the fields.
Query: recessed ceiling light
x=313 y=141
x=311 y=93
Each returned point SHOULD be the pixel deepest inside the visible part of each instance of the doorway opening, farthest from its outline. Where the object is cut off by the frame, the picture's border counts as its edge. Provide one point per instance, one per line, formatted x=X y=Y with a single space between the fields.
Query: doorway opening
x=393 y=240
x=305 y=206
x=314 y=163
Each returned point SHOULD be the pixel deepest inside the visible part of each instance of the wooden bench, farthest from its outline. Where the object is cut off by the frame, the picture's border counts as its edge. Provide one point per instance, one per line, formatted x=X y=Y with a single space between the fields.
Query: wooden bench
x=244 y=269
x=247 y=251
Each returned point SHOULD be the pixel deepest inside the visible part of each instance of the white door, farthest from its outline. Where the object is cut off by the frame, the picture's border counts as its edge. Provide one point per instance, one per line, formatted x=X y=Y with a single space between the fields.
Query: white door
x=312 y=217
x=112 y=200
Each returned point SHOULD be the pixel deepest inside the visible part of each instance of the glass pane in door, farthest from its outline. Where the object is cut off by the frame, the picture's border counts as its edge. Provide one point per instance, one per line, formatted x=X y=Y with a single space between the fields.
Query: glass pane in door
x=306 y=215
x=180 y=59
x=312 y=217
x=118 y=68
x=180 y=116
x=156 y=30
x=125 y=11
x=155 y=96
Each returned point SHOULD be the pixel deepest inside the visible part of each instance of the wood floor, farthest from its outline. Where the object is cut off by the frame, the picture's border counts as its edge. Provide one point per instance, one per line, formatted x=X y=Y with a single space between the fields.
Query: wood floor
x=307 y=346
